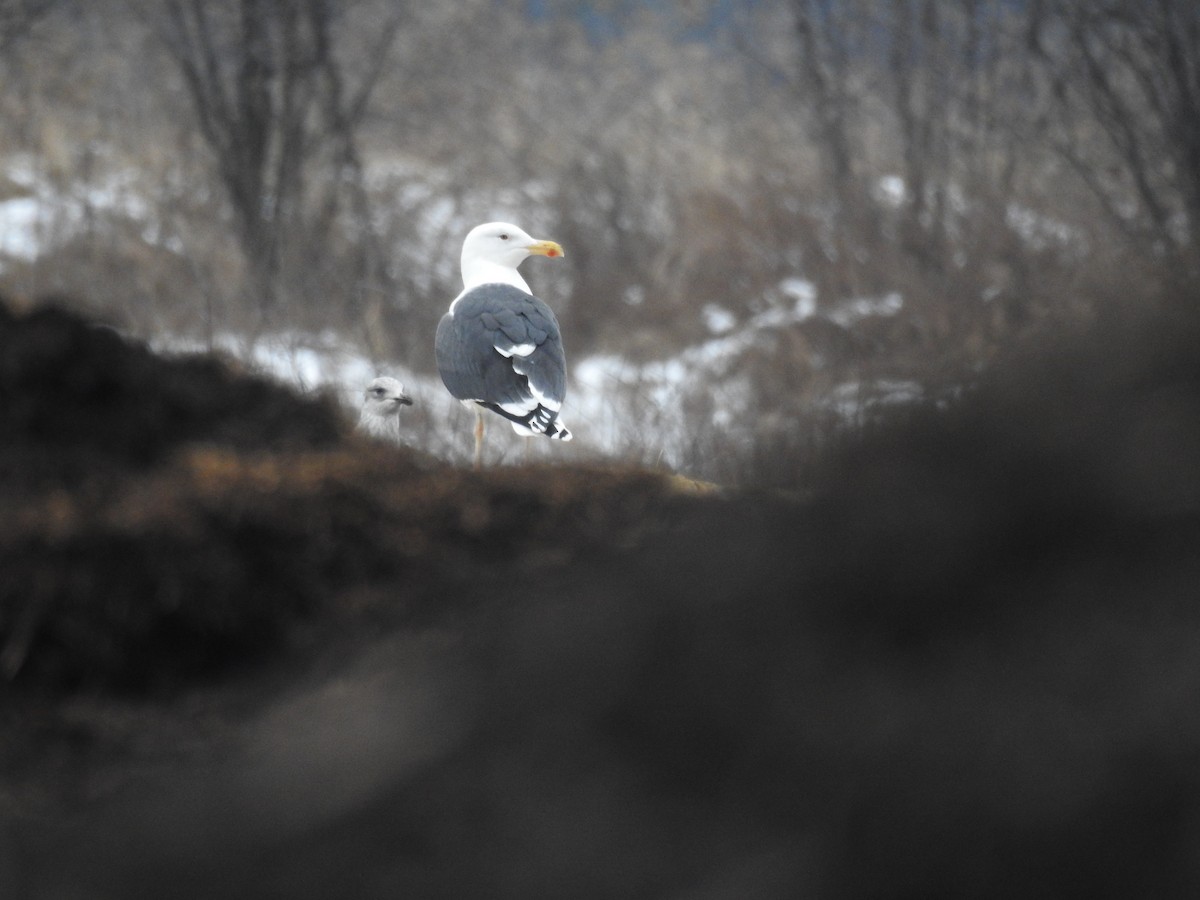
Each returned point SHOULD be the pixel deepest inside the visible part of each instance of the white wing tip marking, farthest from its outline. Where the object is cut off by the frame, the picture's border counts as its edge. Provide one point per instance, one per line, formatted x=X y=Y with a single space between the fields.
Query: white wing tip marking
x=516 y=350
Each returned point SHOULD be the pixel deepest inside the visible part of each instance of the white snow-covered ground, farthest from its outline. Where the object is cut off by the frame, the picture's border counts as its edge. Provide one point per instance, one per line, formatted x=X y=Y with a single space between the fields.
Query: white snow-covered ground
x=616 y=407
x=20 y=220
x=626 y=404
x=307 y=362
x=45 y=214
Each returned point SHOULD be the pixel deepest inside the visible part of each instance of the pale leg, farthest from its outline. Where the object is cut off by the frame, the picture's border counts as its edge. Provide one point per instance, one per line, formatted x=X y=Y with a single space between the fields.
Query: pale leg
x=478 y=438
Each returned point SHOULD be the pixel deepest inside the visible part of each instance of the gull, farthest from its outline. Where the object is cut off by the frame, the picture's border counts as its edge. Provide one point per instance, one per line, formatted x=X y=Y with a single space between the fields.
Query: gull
x=380 y=415
x=498 y=347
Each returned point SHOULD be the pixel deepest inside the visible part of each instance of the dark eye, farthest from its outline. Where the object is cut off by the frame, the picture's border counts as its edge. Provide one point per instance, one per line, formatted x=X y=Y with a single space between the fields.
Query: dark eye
x=504 y=237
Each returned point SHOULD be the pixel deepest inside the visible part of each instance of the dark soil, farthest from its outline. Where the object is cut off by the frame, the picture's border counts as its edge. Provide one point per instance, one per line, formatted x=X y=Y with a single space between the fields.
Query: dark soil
x=245 y=654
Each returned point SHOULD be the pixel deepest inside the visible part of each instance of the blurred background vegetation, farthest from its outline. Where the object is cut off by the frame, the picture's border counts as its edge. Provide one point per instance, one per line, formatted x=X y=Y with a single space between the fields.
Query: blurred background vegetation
x=778 y=216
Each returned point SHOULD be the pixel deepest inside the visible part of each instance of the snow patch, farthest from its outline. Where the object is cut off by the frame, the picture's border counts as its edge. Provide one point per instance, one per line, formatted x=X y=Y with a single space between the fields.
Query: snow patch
x=306 y=362
x=1040 y=231
x=891 y=191
x=848 y=312
x=50 y=215
x=803 y=293
x=852 y=399
x=717 y=319
x=19 y=223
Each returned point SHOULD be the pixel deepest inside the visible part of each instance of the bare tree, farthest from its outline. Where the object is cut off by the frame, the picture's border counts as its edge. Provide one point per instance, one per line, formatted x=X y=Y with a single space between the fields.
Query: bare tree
x=825 y=42
x=943 y=86
x=1127 y=77
x=271 y=96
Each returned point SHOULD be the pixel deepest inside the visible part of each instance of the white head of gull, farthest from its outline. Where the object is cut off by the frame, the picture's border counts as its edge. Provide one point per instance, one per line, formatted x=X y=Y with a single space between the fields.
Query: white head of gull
x=380 y=414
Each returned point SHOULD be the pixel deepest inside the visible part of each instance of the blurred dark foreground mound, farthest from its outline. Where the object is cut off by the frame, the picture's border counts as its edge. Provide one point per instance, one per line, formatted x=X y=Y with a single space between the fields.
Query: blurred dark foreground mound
x=167 y=519
x=245 y=655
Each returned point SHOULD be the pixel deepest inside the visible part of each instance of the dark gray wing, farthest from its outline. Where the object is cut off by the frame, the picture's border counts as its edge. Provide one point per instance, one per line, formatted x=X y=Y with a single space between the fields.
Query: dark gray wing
x=502 y=346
